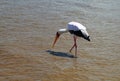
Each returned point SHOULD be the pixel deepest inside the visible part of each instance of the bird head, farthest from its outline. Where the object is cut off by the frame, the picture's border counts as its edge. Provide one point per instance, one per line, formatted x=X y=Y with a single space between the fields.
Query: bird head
x=56 y=38
x=59 y=32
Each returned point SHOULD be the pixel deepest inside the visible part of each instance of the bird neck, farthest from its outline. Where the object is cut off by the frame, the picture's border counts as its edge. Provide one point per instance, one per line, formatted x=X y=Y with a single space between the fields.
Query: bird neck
x=61 y=31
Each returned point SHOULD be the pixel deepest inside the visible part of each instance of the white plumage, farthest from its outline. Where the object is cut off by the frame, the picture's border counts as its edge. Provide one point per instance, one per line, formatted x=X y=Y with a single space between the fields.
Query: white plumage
x=75 y=26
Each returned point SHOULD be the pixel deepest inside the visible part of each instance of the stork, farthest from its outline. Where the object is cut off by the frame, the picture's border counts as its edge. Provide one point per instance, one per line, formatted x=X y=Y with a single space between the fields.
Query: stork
x=77 y=30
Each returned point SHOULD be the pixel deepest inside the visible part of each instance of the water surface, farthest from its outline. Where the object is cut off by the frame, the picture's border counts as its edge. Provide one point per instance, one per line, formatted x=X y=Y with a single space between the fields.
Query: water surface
x=27 y=30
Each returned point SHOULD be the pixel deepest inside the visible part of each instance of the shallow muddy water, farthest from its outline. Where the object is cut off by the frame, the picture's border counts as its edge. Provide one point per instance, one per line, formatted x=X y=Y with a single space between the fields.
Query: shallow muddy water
x=27 y=30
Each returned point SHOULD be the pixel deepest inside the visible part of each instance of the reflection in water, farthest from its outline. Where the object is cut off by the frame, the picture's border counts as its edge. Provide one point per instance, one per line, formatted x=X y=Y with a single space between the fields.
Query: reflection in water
x=61 y=54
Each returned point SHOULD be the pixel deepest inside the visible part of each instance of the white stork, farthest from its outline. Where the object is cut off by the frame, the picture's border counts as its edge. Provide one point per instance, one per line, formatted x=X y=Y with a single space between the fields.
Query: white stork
x=75 y=28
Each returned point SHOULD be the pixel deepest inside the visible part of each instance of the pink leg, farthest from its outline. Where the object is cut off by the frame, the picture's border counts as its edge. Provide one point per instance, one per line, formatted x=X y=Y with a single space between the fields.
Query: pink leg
x=75 y=45
x=72 y=48
x=75 y=38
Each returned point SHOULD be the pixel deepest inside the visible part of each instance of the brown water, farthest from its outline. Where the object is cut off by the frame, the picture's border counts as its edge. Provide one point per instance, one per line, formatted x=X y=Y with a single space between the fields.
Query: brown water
x=27 y=29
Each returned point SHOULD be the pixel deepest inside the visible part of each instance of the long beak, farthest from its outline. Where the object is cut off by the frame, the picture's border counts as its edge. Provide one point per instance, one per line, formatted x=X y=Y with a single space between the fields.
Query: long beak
x=56 y=38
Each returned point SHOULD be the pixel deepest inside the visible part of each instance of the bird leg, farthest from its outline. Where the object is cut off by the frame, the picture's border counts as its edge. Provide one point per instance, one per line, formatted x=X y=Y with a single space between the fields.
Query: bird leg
x=72 y=48
x=75 y=45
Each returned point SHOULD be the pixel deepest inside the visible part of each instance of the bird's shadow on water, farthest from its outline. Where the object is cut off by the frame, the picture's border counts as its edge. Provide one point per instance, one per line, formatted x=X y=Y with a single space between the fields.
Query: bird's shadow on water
x=60 y=54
